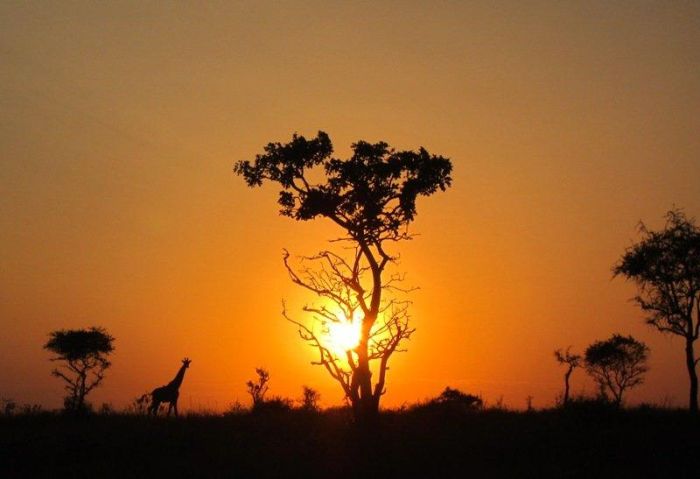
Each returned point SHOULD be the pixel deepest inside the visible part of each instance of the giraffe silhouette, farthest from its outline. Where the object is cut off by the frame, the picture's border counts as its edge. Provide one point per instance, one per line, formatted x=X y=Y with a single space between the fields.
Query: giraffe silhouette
x=170 y=392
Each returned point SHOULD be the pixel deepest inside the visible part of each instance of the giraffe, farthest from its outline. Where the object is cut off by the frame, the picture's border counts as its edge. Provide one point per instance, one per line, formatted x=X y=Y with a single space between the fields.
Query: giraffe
x=170 y=392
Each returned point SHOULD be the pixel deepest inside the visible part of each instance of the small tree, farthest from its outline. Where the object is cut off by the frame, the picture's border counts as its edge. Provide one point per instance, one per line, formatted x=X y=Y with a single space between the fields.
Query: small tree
x=309 y=399
x=665 y=265
x=371 y=197
x=617 y=364
x=451 y=401
x=258 y=389
x=84 y=354
x=455 y=397
x=572 y=361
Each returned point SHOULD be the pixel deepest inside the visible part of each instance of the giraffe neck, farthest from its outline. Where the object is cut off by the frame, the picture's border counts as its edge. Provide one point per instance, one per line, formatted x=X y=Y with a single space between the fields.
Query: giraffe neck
x=175 y=383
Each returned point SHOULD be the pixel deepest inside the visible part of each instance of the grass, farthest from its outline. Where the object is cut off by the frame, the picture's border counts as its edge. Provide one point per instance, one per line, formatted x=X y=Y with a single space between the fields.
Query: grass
x=423 y=442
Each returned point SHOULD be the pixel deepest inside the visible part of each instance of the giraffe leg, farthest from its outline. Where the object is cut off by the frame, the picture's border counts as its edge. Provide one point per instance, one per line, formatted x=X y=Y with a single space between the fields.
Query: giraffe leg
x=154 y=408
x=175 y=406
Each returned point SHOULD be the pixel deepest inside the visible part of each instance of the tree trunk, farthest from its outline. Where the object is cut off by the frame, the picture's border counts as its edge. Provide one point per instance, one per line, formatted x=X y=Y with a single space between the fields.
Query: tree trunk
x=82 y=392
x=692 y=373
x=618 y=398
x=566 y=387
x=366 y=412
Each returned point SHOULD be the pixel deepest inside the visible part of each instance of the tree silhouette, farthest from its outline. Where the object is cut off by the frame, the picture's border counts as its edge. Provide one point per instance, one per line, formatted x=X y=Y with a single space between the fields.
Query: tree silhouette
x=617 y=364
x=84 y=353
x=371 y=197
x=309 y=399
x=456 y=399
x=665 y=265
x=257 y=389
x=572 y=361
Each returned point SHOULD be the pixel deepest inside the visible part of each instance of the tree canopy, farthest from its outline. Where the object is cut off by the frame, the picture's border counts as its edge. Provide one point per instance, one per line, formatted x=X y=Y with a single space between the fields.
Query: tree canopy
x=372 y=195
x=617 y=364
x=73 y=345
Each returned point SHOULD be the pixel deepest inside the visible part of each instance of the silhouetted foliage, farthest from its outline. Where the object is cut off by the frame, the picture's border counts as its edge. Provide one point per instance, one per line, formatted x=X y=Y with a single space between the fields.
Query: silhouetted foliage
x=258 y=388
x=617 y=364
x=107 y=409
x=7 y=407
x=84 y=354
x=170 y=393
x=499 y=405
x=572 y=361
x=528 y=403
x=372 y=194
x=372 y=197
x=455 y=396
x=452 y=401
x=273 y=405
x=599 y=406
x=236 y=409
x=665 y=265
x=140 y=405
x=309 y=399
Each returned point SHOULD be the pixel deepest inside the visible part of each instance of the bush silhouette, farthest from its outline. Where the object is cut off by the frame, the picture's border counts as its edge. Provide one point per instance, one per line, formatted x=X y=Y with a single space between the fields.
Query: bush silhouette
x=452 y=401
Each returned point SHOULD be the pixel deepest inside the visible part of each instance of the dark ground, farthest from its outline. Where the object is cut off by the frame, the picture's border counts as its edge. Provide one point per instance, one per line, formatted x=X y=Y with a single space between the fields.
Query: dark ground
x=433 y=443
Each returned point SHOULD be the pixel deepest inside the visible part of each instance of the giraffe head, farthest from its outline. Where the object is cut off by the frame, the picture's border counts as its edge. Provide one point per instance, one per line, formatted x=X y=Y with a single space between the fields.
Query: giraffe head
x=186 y=362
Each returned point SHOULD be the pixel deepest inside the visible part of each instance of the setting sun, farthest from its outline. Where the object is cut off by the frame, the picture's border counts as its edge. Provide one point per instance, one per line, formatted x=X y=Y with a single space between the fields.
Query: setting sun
x=343 y=337
x=470 y=230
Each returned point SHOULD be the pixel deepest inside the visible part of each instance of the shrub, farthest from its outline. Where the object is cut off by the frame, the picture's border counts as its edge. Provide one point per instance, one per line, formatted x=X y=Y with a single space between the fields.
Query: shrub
x=453 y=400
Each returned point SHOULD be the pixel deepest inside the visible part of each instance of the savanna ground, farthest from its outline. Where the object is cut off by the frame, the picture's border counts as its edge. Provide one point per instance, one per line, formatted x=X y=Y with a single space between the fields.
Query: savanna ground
x=582 y=441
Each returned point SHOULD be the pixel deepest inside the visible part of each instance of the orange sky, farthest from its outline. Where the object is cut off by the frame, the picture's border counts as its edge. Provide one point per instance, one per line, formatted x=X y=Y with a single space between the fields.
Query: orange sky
x=119 y=124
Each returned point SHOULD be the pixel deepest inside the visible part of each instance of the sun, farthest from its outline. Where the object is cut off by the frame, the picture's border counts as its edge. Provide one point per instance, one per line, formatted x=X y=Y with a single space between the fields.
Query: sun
x=344 y=336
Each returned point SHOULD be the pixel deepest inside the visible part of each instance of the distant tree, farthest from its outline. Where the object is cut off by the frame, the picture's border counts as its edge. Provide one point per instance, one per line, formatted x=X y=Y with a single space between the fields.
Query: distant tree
x=456 y=399
x=257 y=389
x=31 y=409
x=371 y=197
x=572 y=361
x=84 y=355
x=309 y=399
x=528 y=402
x=617 y=364
x=7 y=407
x=665 y=265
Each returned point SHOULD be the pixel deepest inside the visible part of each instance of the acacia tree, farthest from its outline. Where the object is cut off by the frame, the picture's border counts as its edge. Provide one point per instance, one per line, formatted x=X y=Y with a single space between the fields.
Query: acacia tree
x=84 y=353
x=572 y=361
x=371 y=197
x=617 y=364
x=665 y=265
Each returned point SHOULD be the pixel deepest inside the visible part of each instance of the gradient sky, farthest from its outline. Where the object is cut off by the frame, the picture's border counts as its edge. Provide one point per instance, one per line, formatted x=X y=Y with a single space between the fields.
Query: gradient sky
x=567 y=123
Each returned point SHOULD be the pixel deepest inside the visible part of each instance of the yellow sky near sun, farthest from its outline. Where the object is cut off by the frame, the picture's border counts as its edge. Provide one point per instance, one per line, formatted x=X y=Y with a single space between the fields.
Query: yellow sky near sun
x=119 y=124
